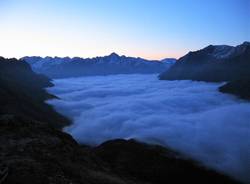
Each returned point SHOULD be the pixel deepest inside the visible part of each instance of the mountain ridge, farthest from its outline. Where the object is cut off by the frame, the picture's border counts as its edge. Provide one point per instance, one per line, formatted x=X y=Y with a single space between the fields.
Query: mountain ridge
x=56 y=67
x=22 y=93
x=212 y=64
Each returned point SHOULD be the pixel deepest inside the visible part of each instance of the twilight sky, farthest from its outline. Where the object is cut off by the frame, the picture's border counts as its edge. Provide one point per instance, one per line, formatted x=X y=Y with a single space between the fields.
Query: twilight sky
x=152 y=29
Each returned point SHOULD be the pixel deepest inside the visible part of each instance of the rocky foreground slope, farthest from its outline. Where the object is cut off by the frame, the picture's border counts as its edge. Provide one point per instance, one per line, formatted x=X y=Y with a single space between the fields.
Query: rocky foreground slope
x=38 y=154
x=34 y=151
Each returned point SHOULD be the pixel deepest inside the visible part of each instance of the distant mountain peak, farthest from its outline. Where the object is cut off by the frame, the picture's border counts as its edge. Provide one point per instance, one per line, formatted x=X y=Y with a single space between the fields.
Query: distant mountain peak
x=113 y=54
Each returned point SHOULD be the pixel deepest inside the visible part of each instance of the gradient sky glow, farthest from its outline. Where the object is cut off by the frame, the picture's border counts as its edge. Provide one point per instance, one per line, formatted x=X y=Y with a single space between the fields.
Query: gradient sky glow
x=152 y=29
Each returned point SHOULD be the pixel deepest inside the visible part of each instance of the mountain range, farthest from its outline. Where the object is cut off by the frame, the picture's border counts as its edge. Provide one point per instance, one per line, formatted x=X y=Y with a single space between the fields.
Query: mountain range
x=56 y=67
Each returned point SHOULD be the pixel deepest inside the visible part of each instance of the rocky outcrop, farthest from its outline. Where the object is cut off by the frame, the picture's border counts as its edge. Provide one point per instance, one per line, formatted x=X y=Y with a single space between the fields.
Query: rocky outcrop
x=240 y=88
x=212 y=64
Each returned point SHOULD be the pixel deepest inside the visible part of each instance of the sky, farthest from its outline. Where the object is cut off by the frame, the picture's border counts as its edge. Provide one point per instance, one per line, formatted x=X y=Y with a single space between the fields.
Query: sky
x=152 y=29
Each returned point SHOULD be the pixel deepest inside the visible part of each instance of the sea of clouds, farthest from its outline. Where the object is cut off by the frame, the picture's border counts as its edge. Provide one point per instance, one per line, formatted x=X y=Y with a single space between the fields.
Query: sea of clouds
x=191 y=117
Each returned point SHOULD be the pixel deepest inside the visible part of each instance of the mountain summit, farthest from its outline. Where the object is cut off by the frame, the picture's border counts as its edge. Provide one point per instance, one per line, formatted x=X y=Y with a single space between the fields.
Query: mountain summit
x=113 y=54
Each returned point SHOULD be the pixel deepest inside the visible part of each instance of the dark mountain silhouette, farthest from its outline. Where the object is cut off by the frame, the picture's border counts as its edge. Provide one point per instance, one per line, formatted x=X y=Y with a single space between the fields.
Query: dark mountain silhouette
x=22 y=93
x=113 y=64
x=154 y=164
x=240 y=88
x=213 y=64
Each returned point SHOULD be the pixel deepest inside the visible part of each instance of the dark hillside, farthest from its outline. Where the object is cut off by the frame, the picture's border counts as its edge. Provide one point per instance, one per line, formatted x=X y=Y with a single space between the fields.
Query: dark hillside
x=22 y=93
x=35 y=153
x=212 y=64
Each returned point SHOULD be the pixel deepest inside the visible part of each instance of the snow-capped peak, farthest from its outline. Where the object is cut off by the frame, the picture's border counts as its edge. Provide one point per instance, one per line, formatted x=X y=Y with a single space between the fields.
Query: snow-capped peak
x=223 y=51
x=113 y=54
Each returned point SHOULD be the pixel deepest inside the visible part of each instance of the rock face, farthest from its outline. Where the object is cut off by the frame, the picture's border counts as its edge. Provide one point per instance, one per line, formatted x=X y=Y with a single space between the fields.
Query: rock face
x=22 y=93
x=113 y=64
x=240 y=88
x=213 y=64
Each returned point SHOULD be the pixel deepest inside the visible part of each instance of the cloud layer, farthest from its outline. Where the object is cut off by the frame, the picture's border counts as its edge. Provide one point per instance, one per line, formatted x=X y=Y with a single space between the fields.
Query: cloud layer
x=191 y=117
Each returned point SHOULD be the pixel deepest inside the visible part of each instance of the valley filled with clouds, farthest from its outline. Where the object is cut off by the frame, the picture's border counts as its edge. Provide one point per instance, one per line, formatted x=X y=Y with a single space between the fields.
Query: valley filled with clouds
x=191 y=117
